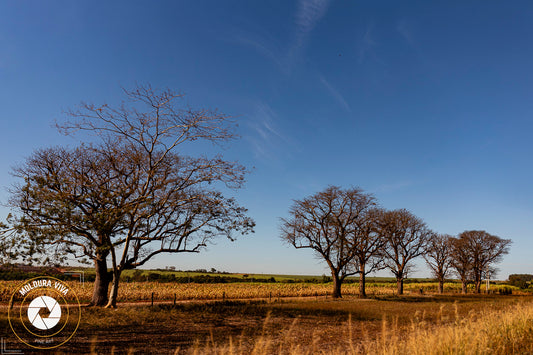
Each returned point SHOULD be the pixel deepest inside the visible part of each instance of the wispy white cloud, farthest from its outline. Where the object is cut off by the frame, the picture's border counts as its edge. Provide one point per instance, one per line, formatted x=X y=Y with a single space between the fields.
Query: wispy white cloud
x=335 y=93
x=308 y=14
x=265 y=137
x=404 y=29
x=367 y=44
x=265 y=46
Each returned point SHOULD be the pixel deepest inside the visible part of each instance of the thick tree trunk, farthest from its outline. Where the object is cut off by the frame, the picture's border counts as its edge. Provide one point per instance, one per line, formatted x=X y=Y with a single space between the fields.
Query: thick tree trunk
x=441 y=286
x=463 y=287
x=114 y=290
x=478 y=286
x=362 y=285
x=337 y=282
x=101 y=283
x=399 y=284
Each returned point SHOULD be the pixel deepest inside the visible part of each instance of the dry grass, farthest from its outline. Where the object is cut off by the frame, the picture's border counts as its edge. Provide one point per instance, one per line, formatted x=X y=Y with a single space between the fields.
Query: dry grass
x=504 y=331
x=389 y=325
x=385 y=324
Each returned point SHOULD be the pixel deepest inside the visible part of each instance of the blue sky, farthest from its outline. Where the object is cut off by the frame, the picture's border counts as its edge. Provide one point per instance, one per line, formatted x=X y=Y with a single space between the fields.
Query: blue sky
x=425 y=104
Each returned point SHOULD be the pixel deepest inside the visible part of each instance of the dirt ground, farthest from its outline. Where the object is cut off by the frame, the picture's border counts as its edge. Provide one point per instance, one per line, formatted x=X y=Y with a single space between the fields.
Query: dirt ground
x=320 y=324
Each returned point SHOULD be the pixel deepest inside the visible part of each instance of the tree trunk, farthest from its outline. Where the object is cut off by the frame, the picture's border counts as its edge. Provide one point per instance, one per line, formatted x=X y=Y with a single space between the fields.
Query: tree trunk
x=463 y=287
x=101 y=283
x=114 y=290
x=399 y=284
x=362 y=285
x=478 y=286
x=337 y=282
x=441 y=286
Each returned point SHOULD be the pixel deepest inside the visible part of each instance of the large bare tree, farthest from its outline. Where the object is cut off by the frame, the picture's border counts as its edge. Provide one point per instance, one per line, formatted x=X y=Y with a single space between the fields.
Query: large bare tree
x=326 y=222
x=485 y=250
x=461 y=262
x=132 y=195
x=406 y=237
x=438 y=257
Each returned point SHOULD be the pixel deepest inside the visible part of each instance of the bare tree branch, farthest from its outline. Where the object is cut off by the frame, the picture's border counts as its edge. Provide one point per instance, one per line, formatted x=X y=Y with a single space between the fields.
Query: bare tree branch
x=131 y=191
x=327 y=222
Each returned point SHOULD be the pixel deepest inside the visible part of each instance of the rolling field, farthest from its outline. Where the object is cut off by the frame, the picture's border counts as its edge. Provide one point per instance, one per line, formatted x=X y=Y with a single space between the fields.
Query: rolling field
x=382 y=324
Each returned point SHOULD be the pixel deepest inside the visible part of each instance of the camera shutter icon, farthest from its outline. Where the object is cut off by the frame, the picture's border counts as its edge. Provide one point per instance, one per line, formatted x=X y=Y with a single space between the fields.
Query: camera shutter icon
x=35 y=307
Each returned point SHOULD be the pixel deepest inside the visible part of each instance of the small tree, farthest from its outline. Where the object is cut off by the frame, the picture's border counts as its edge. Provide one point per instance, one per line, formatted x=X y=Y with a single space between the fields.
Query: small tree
x=325 y=222
x=438 y=257
x=131 y=196
x=406 y=237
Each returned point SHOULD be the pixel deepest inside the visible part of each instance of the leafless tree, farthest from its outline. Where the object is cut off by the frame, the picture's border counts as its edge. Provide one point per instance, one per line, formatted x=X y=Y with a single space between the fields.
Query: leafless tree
x=438 y=257
x=131 y=196
x=461 y=262
x=326 y=223
x=407 y=237
x=485 y=250
x=367 y=244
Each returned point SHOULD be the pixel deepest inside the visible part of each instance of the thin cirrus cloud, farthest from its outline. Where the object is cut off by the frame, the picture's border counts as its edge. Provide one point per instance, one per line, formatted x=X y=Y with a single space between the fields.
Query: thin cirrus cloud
x=404 y=29
x=264 y=47
x=308 y=14
x=335 y=93
x=367 y=45
x=265 y=138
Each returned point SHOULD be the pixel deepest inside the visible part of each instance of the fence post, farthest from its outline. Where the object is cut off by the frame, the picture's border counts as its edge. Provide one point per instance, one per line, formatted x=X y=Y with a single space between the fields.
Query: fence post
x=152 y=299
x=223 y=295
x=270 y=297
x=174 y=298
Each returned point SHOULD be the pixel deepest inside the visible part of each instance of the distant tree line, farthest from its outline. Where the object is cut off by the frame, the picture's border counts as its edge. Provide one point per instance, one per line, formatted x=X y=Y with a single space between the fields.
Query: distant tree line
x=14 y=274
x=138 y=275
x=520 y=280
x=201 y=271
x=354 y=236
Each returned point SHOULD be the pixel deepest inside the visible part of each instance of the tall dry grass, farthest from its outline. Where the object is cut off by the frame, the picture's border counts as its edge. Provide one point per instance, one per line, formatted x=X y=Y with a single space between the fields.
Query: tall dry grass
x=508 y=331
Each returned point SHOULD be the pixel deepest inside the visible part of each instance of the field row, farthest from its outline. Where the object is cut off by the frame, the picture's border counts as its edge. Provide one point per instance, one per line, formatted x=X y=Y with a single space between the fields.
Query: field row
x=143 y=291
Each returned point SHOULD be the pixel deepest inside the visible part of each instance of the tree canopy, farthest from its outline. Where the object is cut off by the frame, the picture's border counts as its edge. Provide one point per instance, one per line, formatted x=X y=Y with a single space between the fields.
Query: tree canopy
x=406 y=238
x=132 y=195
x=328 y=223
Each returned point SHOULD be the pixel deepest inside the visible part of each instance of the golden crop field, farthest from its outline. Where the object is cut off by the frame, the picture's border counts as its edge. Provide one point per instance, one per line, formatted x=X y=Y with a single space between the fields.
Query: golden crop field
x=382 y=324
x=142 y=291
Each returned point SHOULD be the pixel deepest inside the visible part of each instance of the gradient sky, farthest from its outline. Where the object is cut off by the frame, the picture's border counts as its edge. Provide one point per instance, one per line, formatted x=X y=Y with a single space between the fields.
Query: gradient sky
x=427 y=105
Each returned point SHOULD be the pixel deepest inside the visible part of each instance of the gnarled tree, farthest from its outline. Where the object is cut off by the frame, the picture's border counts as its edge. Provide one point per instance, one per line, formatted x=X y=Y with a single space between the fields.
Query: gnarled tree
x=438 y=257
x=461 y=262
x=485 y=250
x=407 y=237
x=326 y=223
x=367 y=244
x=132 y=196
